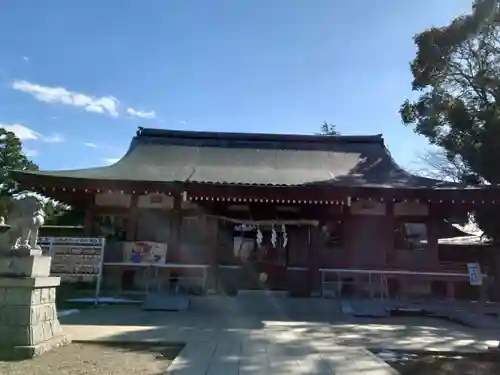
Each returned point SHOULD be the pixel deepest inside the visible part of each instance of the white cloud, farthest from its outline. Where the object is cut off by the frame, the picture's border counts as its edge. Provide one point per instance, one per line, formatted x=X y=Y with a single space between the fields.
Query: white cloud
x=22 y=132
x=30 y=152
x=183 y=122
x=142 y=114
x=106 y=104
x=90 y=144
x=25 y=58
x=26 y=134
x=54 y=138
x=111 y=160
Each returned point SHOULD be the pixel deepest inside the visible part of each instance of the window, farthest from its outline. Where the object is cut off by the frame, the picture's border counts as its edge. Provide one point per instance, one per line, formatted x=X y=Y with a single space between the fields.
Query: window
x=410 y=236
x=245 y=245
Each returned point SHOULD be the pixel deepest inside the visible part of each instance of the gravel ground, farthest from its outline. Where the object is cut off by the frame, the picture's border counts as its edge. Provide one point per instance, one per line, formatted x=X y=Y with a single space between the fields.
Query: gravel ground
x=105 y=359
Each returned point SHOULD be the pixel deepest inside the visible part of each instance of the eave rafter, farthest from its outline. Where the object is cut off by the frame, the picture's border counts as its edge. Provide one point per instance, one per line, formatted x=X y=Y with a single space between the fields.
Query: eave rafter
x=69 y=190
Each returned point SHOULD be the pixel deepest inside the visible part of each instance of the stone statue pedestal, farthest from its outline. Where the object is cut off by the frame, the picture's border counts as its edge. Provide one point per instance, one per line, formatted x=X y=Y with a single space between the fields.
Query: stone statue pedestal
x=24 y=263
x=28 y=318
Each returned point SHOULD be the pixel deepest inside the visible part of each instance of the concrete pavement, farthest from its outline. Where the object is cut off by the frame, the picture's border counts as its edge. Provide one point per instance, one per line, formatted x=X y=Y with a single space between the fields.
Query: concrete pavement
x=282 y=339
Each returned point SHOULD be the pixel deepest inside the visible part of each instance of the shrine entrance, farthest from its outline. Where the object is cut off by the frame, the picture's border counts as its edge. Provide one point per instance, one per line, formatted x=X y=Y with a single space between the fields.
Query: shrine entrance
x=264 y=254
x=265 y=276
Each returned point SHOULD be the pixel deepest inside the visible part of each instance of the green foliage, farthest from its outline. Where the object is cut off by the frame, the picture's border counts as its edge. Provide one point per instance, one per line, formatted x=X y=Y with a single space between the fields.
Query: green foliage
x=457 y=72
x=328 y=129
x=11 y=157
x=66 y=216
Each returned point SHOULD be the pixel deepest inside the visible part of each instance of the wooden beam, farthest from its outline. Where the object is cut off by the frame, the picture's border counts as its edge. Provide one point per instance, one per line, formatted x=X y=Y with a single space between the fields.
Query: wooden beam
x=89 y=216
x=390 y=251
x=433 y=225
x=175 y=230
x=132 y=218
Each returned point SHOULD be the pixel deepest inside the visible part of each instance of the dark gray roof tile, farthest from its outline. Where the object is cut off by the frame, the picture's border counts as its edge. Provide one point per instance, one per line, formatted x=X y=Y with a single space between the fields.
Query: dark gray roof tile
x=257 y=159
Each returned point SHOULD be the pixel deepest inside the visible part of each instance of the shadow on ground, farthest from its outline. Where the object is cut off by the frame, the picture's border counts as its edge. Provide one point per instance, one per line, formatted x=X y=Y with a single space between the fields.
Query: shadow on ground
x=230 y=331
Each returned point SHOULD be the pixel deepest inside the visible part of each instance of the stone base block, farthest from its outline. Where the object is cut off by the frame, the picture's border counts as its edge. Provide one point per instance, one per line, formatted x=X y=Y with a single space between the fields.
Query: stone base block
x=20 y=252
x=25 y=266
x=17 y=353
x=28 y=317
x=30 y=282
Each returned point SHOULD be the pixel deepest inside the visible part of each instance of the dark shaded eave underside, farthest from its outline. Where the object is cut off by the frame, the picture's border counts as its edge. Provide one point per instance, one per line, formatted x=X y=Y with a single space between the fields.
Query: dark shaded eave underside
x=78 y=178
x=50 y=185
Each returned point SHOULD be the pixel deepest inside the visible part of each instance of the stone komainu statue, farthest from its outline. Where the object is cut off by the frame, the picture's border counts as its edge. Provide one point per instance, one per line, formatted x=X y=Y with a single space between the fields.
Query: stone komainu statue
x=25 y=219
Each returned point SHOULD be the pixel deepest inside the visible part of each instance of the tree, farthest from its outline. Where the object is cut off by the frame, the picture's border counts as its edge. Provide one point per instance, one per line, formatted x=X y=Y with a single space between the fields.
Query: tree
x=436 y=165
x=457 y=73
x=61 y=214
x=11 y=157
x=328 y=129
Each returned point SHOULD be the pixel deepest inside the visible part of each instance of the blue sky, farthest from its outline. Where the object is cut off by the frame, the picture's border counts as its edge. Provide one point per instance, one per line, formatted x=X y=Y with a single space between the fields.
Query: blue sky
x=77 y=78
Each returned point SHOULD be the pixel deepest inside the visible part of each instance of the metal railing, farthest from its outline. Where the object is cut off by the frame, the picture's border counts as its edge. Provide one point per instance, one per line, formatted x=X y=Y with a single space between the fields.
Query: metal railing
x=155 y=282
x=336 y=287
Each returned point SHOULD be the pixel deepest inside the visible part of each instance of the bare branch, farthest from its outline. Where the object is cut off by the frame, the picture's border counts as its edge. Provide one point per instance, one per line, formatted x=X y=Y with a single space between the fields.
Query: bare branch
x=435 y=164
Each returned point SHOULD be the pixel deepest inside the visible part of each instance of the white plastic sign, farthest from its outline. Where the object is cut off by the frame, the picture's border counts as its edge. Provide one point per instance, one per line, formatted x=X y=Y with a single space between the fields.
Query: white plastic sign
x=475 y=276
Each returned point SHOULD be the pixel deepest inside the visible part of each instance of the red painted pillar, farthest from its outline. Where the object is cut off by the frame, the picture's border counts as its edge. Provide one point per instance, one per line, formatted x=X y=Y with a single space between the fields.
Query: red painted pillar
x=450 y=290
x=132 y=219
x=213 y=240
x=312 y=262
x=390 y=250
x=175 y=231
x=433 y=224
x=89 y=216
x=347 y=233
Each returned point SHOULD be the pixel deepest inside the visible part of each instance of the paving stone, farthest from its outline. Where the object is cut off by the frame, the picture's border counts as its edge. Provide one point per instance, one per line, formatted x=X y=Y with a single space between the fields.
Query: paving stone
x=255 y=364
x=226 y=359
x=194 y=359
x=314 y=364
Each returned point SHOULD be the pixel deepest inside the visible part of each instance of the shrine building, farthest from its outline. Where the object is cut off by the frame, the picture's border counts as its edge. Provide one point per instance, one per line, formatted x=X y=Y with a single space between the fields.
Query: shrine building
x=302 y=214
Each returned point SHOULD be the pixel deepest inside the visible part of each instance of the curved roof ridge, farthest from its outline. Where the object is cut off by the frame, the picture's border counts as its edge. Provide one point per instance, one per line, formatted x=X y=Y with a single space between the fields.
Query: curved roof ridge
x=414 y=176
x=143 y=133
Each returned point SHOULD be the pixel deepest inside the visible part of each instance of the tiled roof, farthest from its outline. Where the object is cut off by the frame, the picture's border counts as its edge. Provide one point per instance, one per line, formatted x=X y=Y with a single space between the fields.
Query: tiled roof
x=254 y=159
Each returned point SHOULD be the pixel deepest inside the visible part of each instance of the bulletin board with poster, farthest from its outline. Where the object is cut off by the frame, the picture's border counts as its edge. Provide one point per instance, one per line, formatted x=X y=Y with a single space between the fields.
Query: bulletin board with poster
x=145 y=252
x=75 y=259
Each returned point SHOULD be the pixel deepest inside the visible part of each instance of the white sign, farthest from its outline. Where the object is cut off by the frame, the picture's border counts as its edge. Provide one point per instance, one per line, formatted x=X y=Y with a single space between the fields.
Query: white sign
x=76 y=259
x=475 y=276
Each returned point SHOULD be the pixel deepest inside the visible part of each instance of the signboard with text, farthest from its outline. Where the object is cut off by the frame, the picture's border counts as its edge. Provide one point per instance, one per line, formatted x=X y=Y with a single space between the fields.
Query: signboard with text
x=74 y=259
